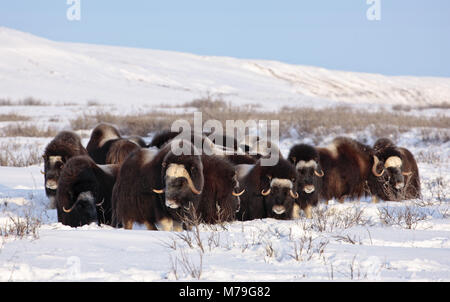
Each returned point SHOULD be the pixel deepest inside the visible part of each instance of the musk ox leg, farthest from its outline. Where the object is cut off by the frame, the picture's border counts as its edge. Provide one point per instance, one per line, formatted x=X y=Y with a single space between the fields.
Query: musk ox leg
x=296 y=211
x=150 y=226
x=166 y=224
x=187 y=227
x=52 y=204
x=375 y=199
x=308 y=211
x=177 y=226
x=342 y=199
x=128 y=225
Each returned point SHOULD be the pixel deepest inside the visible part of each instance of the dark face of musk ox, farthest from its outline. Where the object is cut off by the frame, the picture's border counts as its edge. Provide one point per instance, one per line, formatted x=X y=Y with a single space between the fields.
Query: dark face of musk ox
x=306 y=161
x=52 y=170
x=389 y=169
x=279 y=189
x=64 y=146
x=80 y=199
x=309 y=174
x=183 y=178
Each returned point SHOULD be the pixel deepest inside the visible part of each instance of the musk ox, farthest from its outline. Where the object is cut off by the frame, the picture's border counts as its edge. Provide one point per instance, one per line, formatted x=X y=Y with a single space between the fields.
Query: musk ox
x=219 y=198
x=346 y=165
x=235 y=156
x=84 y=192
x=164 y=137
x=162 y=189
x=270 y=191
x=135 y=196
x=306 y=160
x=119 y=150
x=395 y=175
x=100 y=142
x=106 y=146
x=258 y=147
x=138 y=141
x=63 y=147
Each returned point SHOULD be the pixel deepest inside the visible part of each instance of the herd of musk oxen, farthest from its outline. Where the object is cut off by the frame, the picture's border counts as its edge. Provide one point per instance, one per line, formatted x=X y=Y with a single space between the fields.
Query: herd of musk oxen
x=120 y=181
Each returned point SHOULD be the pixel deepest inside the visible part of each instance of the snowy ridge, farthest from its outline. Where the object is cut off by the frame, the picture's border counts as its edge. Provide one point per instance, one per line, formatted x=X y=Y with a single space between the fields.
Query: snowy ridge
x=68 y=72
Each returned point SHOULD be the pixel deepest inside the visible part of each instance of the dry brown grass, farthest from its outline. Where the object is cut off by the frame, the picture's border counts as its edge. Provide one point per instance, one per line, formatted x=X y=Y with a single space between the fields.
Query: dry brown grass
x=16 y=130
x=308 y=122
x=407 y=217
x=407 y=108
x=29 y=101
x=13 y=117
x=13 y=154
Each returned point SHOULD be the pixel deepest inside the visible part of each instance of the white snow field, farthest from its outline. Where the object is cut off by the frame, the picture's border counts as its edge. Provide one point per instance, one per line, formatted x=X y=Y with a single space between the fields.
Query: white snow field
x=350 y=241
x=356 y=240
x=67 y=72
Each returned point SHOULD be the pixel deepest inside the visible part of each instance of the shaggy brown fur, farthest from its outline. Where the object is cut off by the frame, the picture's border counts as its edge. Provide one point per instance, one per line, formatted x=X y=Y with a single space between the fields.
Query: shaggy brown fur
x=385 y=186
x=164 y=137
x=85 y=188
x=133 y=198
x=102 y=137
x=138 y=141
x=161 y=138
x=66 y=145
x=217 y=202
x=119 y=150
x=346 y=164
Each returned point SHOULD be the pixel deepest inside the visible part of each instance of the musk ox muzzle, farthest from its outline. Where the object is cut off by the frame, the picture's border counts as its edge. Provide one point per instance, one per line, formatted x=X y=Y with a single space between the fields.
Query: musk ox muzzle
x=278 y=209
x=399 y=185
x=51 y=184
x=308 y=189
x=170 y=203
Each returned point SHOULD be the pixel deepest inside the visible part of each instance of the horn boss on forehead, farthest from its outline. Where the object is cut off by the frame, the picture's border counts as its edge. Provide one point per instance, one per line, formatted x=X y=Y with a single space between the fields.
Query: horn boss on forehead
x=178 y=170
x=393 y=161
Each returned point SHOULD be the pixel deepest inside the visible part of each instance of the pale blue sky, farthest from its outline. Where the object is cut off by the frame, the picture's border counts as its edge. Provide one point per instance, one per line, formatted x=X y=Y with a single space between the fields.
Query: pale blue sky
x=412 y=37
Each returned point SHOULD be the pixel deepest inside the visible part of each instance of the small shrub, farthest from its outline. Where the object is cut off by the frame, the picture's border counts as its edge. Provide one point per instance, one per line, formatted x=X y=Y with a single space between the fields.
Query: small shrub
x=407 y=217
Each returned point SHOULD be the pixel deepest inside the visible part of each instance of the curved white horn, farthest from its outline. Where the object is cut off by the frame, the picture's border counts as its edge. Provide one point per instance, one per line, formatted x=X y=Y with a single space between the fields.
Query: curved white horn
x=374 y=168
x=295 y=196
x=319 y=174
x=158 y=191
x=238 y=194
x=266 y=192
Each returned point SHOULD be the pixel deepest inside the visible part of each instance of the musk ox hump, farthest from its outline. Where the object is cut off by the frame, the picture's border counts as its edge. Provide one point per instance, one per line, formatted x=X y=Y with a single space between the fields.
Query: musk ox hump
x=108 y=135
x=243 y=169
x=148 y=155
x=333 y=149
x=110 y=170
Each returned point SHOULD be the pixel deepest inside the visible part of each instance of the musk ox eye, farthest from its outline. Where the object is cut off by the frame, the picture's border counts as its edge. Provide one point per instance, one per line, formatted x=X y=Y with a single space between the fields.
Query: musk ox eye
x=164 y=164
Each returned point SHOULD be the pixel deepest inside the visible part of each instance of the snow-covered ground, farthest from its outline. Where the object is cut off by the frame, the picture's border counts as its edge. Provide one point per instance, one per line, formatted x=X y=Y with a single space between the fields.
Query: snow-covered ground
x=351 y=241
x=76 y=73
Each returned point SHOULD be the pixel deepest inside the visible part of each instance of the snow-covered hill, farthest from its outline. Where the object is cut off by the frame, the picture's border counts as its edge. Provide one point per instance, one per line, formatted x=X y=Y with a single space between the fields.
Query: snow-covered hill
x=76 y=73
